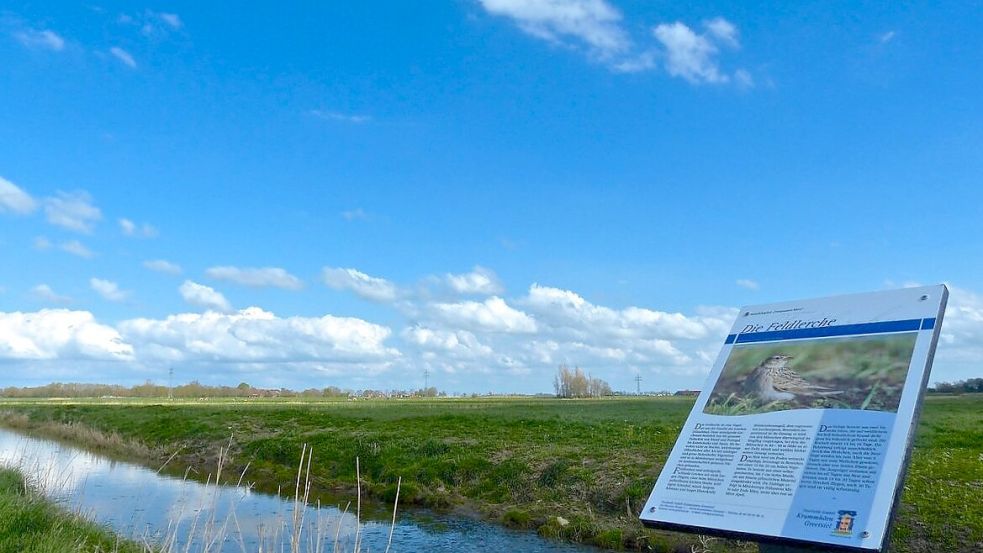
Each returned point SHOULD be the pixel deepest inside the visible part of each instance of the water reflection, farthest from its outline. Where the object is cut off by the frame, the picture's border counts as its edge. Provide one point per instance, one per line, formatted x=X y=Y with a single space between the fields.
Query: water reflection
x=139 y=503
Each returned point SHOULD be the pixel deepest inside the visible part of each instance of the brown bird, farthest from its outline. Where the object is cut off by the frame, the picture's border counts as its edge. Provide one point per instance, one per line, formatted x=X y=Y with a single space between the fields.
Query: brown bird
x=773 y=380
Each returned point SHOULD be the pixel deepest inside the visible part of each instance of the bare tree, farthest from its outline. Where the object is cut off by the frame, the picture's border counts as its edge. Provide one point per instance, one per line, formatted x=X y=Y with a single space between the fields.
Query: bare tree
x=574 y=383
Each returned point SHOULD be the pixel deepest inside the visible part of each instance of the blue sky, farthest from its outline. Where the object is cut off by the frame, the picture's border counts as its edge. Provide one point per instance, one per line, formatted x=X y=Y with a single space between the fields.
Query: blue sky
x=484 y=189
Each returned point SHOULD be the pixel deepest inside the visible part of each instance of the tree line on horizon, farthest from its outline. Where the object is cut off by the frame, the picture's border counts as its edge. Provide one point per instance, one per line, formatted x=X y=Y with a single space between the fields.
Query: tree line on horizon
x=196 y=390
x=968 y=386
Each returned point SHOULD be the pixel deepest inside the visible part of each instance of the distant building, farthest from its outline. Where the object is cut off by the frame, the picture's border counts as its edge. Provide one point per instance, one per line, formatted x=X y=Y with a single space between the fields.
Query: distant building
x=692 y=393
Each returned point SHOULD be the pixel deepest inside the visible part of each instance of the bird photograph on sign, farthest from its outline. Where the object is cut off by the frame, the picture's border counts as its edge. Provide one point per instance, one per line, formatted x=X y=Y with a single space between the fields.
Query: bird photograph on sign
x=866 y=372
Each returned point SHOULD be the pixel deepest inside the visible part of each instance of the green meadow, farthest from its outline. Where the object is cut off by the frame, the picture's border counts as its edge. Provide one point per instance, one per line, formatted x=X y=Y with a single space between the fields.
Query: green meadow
x=522 y=462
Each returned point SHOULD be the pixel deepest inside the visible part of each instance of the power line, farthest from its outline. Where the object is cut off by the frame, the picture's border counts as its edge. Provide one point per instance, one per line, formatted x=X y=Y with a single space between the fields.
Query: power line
x=170 y=383
x=426 y=379
x=638 y=384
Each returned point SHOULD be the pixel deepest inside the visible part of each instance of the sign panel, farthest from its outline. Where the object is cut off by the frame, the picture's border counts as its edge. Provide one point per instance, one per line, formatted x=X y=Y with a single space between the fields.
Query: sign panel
x=802 y=433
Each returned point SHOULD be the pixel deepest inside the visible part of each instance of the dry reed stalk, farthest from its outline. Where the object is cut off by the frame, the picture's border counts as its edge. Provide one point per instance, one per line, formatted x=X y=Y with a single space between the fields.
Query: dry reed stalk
x=392 y=527
x=358 y=504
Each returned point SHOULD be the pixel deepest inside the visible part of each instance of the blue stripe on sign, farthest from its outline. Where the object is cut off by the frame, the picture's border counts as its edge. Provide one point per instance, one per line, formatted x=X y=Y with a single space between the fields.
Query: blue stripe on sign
x=730 y=339
x=928 y=324
x=841 y=330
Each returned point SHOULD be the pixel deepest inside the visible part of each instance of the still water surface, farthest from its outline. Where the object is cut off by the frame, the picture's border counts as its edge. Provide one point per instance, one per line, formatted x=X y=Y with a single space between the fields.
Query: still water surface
x=138 y=502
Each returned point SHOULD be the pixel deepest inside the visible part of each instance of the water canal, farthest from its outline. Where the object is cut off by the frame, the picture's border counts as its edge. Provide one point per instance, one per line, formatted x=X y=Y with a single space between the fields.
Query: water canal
x=139 y=503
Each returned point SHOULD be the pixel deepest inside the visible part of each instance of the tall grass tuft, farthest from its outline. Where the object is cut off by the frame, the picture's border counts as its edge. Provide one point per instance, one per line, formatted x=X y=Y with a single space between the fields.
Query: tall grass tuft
x=298 y=530
x=30 y=522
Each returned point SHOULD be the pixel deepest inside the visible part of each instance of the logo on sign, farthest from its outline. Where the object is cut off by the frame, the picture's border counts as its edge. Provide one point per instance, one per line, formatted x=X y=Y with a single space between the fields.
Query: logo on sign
x=844 y=523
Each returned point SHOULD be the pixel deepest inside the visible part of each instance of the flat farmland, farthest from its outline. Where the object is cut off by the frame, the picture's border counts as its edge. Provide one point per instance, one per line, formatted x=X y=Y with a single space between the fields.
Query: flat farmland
x=522 y=462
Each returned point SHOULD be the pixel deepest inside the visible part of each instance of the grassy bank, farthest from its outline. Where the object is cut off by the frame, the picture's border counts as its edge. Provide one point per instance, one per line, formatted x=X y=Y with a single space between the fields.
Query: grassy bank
x=31 y=524
x=519 y=461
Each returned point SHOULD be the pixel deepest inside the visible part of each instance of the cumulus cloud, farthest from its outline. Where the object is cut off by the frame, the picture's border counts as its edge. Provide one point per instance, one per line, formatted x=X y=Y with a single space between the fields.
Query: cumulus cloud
x=962 y=327
x=162 y=266
x=108 y=289
x=478 y=281
x=13 y=199
x=747 y=283
x=73 y=211
x=456 y=343
x=45 y=293
x=568 y=311
x=75 y=248
x=43 y=39
x=129 y=228
x=493 y=315
x=123 y=56
x=203 y=296
x=594 y=24
x=551 y=326
x=256 y=277
x=256 y=336
x=59 y=334
x=363 y=285
x=692 y=55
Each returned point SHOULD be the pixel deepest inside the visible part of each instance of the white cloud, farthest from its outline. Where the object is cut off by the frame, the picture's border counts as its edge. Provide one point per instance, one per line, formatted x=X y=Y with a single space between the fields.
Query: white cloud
x=73 y=211
x=108 y=289
x=962 y=329
x=363 y=285
x=724 y=31
x=354 y=214
x=256 y=277
x=203 y=296
x=59 y=334
x=256 y=336
x=456 y=343
x=13 y=199
x=157 y=24
x=163 y=266
x=76 y=248
x=596 y=26
x=551 y=326
x=693 y=56
x=570 y=314
x=171 y=19
x=45 y=293
x=743 y=79
x=478 y=281
x=338 y=116
x=129 y=228
x=884 y=38
x=592 y=23
x=153 y=25
x=42 y=243
x=123 y=56
x=45 y=39
x=747 y=283
x=493 y=315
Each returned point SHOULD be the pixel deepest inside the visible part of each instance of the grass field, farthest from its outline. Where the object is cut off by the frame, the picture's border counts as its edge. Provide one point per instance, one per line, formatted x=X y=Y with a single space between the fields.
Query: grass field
x=518 y=461
x=31 y=524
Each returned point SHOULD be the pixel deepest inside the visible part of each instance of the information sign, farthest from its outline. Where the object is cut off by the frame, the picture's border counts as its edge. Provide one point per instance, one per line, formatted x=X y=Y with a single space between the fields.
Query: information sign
x=803 y=430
